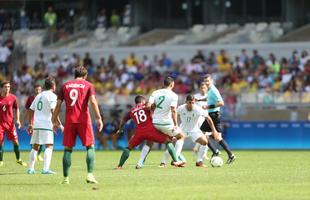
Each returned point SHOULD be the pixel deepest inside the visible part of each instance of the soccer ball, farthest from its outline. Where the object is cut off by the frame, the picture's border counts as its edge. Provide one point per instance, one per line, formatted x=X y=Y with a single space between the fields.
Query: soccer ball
x=216 y=161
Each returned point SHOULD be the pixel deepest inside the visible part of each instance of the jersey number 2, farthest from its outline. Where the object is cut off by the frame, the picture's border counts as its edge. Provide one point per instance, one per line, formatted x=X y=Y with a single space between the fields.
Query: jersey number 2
x=140 y=116
x=161 y=100
x=73 y=96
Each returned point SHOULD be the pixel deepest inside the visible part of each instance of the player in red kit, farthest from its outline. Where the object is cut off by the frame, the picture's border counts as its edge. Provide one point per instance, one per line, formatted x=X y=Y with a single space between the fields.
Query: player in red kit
x=8 y=103
x=145 y=131
x=76 y=94
x=37 y=90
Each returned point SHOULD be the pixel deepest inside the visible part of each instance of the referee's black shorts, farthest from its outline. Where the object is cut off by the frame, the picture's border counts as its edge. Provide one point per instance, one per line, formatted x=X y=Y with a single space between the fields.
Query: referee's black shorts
x=216 y=118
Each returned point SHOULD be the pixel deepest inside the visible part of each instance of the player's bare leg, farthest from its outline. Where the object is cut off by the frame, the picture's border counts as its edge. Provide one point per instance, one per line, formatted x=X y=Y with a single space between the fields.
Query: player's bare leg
x=178 y=148
x=17 y=154
x=90 y=160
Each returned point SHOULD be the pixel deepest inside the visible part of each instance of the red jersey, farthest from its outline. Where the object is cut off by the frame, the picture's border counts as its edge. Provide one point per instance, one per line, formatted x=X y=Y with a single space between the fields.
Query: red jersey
x=76 y=94
x=6 y=109
x=141 y=117
x=29 y=101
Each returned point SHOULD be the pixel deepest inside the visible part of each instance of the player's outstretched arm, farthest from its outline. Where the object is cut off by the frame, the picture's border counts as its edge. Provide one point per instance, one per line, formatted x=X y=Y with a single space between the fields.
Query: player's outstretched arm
x=94 y=105
x=18 y=118
x=30 y=125
x=174 y=115
x=56 y=112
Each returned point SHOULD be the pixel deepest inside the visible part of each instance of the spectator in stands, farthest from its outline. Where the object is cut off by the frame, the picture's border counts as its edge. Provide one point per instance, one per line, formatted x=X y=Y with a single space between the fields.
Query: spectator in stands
x=131 y=60
x=83 y=21
x=256 y=60
x=102 y=19
x=200 y=56
x=50 y=18
x=36 y=23
x=87 y=61
x=127 y=15
x=53 y=65
x=5 y=54
x=165 y=60
x=114 y=20
x=273 y=64
x=24 y=20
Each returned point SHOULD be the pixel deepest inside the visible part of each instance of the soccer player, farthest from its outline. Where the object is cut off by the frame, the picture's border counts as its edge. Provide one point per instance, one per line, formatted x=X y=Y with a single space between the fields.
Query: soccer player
x=8 y=102
x=76 y=94
x=145 y=130
x=215 y=102
x=37 y=90
x=41 y=126
x=165 y=101
x=190 y=114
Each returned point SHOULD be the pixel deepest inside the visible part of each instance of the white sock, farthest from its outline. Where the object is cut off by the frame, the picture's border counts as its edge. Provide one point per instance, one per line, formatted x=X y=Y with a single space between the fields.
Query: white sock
x=32 y=158
x=47 y=158
x=165 y=157
x=178 y=147
x=145 y=150
x=201 y=153
x=205 y=151
x=196 y=147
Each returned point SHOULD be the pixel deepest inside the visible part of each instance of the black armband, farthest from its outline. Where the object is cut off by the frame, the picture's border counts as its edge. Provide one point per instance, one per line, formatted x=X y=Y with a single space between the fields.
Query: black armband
x=211 y=106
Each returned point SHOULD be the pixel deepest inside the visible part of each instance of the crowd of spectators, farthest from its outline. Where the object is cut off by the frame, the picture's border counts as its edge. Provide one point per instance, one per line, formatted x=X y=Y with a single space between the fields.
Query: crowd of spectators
x=244 y=74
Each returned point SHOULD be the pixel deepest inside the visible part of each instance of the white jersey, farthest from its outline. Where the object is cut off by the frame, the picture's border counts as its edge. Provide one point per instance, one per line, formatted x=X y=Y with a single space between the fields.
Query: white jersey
x=199 y=96
x=163 y=99
x=42 y=106
x=190 y=119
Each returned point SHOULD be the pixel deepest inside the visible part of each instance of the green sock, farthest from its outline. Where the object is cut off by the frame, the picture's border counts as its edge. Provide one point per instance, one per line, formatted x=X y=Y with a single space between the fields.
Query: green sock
x=1 y=153
x=40 y=149
x=90 y=159
x=124 y=157
x=66 y=162
x=182 y=158
x=17 y=152
x=171 y=151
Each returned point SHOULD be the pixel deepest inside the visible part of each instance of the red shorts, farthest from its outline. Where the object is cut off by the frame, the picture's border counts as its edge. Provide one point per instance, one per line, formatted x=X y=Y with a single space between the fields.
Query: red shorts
x=10 y=131
x=83 y=130
x=149 y=134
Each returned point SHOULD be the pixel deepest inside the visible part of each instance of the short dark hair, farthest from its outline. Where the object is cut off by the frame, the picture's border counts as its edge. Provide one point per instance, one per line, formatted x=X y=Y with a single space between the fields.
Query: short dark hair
x=207 y=76
x=167 y=81
x=139 y=99
x=37 y=85
x=80 y=72
x=190 y=97
x=49 y=82
x=4 y=83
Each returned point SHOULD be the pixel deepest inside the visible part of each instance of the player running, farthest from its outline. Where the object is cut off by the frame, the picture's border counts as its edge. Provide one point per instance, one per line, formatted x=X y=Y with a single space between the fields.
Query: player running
x=8 y=103
x=41 y=126
x=215 y=102
x=37 y=90
x=76 y=94
x=145 y=130
x=190 y=114
x=165 y=101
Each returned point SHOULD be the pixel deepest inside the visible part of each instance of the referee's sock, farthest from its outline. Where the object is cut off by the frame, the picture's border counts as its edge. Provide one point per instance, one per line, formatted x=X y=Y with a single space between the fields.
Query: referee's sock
x=225 y=147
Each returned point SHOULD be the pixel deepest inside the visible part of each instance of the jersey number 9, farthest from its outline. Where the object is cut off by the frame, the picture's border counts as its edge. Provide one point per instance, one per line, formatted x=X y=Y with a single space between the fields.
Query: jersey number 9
x=73 y=96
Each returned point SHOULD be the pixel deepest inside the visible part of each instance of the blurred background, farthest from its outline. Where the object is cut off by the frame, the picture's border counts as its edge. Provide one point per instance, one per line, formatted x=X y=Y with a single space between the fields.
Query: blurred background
x=257 y=52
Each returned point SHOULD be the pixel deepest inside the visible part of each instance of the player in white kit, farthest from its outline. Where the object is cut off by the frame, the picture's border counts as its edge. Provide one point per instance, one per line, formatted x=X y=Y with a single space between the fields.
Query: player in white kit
x=190 y=115
x=42 y=108
x=164 y=102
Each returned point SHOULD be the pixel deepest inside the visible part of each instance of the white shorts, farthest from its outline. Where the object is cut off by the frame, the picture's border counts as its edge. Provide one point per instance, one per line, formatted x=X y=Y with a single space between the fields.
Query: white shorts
x=168 y=129
x=195 y=135
x=42 y=137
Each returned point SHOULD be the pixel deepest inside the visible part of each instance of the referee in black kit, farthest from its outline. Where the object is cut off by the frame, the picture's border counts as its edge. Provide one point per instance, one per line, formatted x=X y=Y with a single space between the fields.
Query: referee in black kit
x=215 y=102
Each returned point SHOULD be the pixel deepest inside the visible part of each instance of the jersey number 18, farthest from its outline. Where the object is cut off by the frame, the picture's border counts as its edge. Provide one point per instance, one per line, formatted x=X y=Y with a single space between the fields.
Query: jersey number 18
x=140 y=116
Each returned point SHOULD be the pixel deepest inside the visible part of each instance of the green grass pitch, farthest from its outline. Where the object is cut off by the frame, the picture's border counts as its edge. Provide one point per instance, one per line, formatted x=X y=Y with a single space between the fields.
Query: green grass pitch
x=254 y=175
